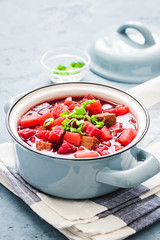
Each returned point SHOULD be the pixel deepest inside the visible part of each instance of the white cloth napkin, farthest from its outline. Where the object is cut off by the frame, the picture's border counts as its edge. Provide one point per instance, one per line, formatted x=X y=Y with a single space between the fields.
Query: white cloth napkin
x=110 y=217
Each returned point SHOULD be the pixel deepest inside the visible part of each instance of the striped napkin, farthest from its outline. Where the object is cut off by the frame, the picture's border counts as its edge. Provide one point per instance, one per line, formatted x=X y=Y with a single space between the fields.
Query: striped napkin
x=111 y=217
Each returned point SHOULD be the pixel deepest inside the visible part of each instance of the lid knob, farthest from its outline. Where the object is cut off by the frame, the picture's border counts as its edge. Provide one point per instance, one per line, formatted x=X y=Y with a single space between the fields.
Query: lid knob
x=149 y=40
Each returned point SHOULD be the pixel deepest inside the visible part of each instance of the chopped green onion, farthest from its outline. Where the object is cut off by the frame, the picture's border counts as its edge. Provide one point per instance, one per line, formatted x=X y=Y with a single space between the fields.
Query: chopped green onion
x=64 y=114
x=61 y=68
x=77 y=64
x=77 y=117
x=88 y=118
x=84 y=104
x=47 y=122
x=67 y=125
x=99 y=125
x=80 y=111
x=72 y=66
x=94 y=120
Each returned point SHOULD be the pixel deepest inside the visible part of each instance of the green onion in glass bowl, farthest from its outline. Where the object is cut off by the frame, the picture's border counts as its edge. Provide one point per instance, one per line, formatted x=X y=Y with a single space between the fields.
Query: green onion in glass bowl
x=65 y=64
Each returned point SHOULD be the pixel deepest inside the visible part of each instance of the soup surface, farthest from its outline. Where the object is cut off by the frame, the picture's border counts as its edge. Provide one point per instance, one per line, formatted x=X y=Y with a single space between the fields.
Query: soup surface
x=78 y=127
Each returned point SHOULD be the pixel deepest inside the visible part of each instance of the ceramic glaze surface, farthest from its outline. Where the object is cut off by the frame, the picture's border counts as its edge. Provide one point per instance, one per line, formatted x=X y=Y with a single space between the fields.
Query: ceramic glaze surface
x=81 y=179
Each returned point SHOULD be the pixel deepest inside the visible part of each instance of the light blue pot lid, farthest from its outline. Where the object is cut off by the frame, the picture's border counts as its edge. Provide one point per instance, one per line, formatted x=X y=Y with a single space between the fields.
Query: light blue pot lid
x=117 y=57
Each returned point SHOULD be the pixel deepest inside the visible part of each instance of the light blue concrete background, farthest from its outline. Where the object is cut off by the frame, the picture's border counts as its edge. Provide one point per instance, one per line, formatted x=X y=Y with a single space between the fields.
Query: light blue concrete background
x=27 y=30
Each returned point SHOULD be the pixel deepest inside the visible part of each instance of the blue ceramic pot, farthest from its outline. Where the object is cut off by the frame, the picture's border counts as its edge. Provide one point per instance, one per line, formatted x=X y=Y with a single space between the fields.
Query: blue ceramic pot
x=82 y=178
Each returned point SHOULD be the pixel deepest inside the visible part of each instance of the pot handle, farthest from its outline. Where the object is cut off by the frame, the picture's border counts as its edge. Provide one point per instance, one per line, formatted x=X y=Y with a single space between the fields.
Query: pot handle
x=149 y=40
x=12 y=101
x=132 y=177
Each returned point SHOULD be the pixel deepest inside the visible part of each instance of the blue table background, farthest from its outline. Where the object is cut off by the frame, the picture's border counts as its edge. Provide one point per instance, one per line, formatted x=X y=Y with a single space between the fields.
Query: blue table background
x=27 y=30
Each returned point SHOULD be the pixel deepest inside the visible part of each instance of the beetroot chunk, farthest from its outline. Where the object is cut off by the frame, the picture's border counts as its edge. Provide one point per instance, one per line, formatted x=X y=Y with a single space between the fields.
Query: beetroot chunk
x=68 y=101
x=66 y=148
x=56 y=134
x=102 y=150
x=29 y=120
x=106 y=134
x=92 y=131
x=94 y=107
x=127 y=136
x=90 y=154
x=121 y=109
x=73 y=138
x=43 y=134
x=58 y=109
x=42 y=118
x=26 y=133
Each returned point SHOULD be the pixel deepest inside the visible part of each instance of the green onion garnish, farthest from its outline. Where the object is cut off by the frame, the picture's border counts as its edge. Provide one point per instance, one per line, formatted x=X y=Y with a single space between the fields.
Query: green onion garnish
x=72 y=66
x=47 y=122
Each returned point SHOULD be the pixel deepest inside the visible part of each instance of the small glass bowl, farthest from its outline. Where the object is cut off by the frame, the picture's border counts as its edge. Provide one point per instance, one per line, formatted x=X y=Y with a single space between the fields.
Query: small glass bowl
x=64 y=57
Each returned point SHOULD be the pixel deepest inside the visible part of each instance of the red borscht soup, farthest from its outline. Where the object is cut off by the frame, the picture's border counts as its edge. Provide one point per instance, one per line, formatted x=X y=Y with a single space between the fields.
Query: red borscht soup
x=78 y=127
